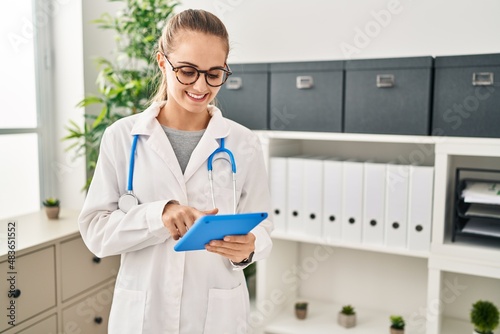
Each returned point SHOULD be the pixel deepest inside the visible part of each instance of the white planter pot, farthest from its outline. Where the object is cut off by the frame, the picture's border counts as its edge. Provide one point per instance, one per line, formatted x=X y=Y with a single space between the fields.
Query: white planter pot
x=346 y=321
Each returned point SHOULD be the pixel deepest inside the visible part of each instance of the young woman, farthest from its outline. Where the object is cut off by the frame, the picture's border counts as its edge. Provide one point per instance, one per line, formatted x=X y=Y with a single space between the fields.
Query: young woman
x=159 y=290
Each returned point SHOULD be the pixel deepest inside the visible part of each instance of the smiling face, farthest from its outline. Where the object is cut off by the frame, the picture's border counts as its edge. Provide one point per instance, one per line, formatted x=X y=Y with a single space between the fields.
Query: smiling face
x=201 y=51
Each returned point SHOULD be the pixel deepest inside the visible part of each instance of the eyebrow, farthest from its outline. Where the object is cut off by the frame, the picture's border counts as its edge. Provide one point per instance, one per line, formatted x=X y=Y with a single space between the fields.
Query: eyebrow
x=194 y=65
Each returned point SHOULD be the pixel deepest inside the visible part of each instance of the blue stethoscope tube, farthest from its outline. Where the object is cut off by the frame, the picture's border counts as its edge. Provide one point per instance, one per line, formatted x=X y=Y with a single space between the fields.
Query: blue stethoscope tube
x=129 y=200
x=222 y=149
x=132 y=164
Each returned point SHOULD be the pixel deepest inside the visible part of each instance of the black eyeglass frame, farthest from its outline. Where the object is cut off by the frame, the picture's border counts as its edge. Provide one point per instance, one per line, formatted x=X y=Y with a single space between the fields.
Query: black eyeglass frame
x=205 y=72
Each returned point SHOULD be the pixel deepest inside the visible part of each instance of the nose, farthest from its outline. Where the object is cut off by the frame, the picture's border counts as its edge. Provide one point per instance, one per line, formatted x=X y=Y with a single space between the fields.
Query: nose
x=201 y=84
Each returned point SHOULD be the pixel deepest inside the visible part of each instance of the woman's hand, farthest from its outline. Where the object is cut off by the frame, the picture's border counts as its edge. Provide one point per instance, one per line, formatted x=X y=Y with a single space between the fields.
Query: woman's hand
x=234 y=247
x=179 y=218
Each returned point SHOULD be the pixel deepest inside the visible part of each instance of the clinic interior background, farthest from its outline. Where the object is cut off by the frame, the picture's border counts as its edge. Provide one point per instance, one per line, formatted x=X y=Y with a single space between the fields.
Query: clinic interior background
x=271 y=31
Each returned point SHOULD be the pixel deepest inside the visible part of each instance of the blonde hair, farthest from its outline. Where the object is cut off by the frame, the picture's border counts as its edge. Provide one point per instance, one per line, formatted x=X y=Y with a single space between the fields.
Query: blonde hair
x=189 y=20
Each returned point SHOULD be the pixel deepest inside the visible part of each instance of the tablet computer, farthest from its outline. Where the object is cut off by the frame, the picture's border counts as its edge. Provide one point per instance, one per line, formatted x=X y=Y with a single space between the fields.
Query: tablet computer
x=216 y=227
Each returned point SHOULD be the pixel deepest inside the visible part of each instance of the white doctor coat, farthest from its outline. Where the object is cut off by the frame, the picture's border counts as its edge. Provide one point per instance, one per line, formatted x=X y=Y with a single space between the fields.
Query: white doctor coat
x=159 y=290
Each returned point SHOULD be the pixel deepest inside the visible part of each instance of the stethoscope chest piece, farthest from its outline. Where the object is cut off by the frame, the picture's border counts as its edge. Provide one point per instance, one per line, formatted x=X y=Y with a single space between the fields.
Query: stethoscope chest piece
x=127 y=202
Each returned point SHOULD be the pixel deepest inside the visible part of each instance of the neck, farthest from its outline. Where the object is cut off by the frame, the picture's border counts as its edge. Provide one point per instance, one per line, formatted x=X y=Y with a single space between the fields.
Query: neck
x=181 y=119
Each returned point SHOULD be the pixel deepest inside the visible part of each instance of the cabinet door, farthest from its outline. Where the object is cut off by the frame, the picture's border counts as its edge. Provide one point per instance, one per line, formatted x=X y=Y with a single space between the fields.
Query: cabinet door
x=82 y=270
x=33 y=276
x=306 y=96
x=244 y=97
x=48 y=326
x=89 y=314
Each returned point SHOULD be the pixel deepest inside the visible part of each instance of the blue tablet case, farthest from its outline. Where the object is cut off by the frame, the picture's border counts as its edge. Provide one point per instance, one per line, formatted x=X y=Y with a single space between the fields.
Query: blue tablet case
x=216 y=227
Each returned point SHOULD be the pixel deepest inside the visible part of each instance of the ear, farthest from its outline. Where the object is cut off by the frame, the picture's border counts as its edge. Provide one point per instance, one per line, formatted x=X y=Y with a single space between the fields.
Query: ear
x=160 y=59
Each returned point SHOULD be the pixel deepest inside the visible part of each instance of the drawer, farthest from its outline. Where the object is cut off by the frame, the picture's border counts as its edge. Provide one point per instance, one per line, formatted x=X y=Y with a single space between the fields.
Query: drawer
x=388 y=96
x=35 y=279
x=244 y=97
x=89 y=314
x=82 y=270
x=48 y=326
x=467 y=96
x=306 y=96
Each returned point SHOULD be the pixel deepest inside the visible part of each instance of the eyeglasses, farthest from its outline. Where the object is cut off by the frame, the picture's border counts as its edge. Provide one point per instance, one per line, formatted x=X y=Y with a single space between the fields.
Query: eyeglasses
x=188 y=75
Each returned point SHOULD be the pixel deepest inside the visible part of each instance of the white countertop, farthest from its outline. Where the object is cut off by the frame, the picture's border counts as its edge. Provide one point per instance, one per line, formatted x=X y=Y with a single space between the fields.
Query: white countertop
x=36 y=229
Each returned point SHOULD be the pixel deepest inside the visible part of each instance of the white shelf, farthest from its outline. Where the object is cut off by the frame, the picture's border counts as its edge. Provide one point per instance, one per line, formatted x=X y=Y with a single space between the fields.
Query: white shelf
x=335 y=136
x=322 y=318
x=455 y=326
x=371 y=248
x=447 y=144
x=467 y=254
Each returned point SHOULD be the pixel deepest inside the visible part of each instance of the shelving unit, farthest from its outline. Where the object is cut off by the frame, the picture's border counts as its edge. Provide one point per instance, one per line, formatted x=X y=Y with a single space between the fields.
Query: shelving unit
x=379 y=281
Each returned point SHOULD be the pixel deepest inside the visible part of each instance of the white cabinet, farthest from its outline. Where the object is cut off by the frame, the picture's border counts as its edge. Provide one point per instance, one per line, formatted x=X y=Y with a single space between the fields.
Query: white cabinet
x=433 y=289
x=48 y=326
x=61 y=287
x=81 y=270
x=30 y=296
x=89 y=314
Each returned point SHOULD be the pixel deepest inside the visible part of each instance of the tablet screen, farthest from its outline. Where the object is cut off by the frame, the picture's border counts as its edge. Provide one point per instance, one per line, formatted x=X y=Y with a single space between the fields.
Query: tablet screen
x=216 y=227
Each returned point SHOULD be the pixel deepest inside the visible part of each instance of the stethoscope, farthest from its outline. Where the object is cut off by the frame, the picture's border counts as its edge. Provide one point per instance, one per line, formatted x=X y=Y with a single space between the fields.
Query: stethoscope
x=128 y=200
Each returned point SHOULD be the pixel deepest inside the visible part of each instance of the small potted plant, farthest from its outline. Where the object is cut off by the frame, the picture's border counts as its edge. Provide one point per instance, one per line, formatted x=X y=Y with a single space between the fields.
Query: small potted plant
x=397 y=324
x=51 y=207
x=301 y=310
x=347 y=317
x=484 y=316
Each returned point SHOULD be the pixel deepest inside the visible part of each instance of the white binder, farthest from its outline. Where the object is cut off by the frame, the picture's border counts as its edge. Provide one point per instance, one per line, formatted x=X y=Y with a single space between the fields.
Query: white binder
x=352 y=201
x=396 y=205
x=420 y=207
x=374 y=203
x=332 y=199
x=313 y=193
x=295 y=192
x=278 y=187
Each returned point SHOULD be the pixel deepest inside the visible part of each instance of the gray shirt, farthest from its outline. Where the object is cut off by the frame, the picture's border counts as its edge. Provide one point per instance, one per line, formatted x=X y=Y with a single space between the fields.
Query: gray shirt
x=183 y=143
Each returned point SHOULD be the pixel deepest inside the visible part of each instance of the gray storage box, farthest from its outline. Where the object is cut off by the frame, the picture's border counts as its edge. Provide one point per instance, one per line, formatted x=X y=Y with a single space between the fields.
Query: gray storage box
x=388 y=96
x=306 y=96
x=244 y=96
x=467 y=96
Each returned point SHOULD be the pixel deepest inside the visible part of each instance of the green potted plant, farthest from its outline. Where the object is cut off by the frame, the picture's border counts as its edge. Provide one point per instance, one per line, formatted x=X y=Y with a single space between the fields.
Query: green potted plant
x=301 y=310
x=484 y=316
x=347 y=317
x=125 y=83
x=397 y=324
x=51 y=205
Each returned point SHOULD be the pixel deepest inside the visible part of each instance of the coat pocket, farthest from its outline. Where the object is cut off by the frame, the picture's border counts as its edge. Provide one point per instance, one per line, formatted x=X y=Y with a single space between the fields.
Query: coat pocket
x=227 y=311
x=127 y=312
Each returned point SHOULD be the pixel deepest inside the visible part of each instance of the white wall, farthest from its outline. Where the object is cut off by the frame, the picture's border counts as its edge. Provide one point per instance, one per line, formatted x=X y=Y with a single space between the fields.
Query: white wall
x=67 y=62
x=281 y=30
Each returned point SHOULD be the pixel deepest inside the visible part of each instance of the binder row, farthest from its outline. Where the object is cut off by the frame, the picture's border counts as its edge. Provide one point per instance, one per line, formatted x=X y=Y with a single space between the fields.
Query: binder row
x=354 y=202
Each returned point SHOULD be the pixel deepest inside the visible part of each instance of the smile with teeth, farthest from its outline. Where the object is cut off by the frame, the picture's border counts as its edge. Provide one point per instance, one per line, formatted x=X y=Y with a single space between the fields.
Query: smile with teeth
x=196 y=97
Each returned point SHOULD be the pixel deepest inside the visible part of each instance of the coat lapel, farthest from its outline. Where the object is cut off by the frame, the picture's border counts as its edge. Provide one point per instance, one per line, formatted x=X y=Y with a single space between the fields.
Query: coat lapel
x=157 y=141
x=218 y=127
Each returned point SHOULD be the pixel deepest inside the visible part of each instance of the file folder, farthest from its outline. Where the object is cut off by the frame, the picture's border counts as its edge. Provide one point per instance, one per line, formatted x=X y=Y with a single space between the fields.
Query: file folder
x=313 y=192
x=420 y=207
x=278 y=187
x=396 y=206
x=352 y=201
x=374 y=203
x=332 y=199
x=295 y=192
